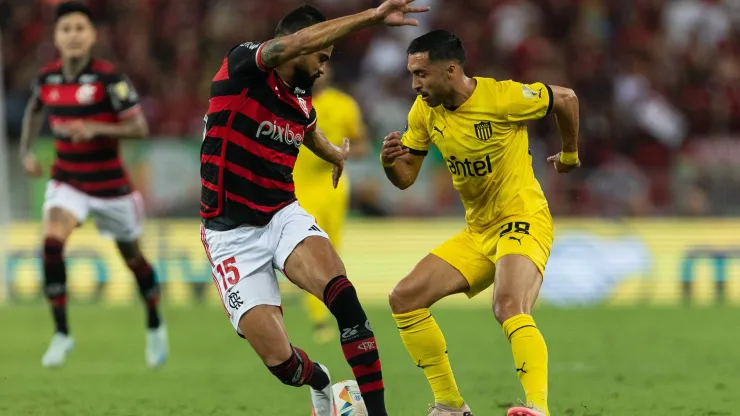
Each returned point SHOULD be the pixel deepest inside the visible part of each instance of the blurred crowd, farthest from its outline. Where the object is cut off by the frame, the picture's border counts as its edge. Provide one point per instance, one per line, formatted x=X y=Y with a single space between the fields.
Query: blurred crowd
x=658 y=81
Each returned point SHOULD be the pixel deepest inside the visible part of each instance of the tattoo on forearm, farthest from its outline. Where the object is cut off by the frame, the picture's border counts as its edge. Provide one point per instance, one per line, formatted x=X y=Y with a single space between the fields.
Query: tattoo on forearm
x=271 y=54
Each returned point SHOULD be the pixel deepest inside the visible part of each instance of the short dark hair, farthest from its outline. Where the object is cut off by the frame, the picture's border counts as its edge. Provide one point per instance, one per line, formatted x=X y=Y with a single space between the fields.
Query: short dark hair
x=441 y=45
x=298 y=19
x=69 y=7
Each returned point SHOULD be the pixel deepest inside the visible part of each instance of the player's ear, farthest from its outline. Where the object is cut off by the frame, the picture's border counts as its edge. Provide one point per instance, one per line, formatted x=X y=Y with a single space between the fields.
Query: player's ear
x=451 y=69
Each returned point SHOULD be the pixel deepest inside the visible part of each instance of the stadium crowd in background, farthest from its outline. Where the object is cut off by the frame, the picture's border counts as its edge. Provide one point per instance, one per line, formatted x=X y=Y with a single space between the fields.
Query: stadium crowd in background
x=658 y=82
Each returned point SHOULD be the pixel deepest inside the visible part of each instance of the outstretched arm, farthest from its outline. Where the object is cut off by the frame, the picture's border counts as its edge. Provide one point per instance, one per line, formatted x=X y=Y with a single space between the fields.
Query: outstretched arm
x=322 y=35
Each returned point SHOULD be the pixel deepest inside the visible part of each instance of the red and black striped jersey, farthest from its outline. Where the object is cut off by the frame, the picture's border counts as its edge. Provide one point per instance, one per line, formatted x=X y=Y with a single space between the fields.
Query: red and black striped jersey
x=254 y=127
x=99 y=93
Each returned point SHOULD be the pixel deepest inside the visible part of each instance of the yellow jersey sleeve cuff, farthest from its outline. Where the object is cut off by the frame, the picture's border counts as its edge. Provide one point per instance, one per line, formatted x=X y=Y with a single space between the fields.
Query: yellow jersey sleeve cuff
x=417 y=152
x=414 y=150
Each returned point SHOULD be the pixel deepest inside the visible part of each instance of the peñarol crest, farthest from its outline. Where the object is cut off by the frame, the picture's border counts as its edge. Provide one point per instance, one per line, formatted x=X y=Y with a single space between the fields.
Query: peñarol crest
x=483 y=130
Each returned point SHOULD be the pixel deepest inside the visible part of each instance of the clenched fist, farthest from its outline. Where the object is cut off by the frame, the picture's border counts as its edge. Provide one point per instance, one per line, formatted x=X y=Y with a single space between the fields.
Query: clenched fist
x=562 y=167
x=392 y=149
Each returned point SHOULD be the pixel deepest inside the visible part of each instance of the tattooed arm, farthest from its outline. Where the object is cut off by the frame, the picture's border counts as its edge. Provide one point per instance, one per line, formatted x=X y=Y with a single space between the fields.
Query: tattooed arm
x=322 y=35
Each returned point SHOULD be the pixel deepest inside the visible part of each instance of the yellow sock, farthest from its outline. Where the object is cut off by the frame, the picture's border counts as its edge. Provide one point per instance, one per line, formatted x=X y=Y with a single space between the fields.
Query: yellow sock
x=317 y=311
x=530 y=358
x=426 y=344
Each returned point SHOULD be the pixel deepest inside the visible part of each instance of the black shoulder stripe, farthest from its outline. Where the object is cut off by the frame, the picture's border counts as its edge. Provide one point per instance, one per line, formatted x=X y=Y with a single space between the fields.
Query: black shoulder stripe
x=549 y=93
x=417 y=152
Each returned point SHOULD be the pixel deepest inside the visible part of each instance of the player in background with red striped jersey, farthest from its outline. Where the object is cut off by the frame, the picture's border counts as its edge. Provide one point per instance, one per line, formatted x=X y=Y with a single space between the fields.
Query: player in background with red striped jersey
x=90 y=106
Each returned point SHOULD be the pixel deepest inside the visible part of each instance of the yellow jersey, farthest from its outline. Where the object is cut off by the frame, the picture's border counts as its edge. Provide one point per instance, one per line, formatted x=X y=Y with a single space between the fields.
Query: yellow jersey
x=486 y=147
x=339 y=116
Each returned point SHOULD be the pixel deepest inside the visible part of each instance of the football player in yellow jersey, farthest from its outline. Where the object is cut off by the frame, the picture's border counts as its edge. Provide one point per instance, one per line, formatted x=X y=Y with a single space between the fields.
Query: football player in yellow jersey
x=479 y=125
x=340 y=118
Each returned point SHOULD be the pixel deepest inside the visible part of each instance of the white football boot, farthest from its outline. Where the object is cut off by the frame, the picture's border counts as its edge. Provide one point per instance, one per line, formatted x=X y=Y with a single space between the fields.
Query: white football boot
x=60 y=346
x=323 y=400
x=442 y=410
x=156 y=346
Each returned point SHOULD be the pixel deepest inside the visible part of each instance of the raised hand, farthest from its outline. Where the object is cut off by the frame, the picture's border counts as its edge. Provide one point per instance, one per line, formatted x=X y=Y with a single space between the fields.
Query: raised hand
x=393 y=12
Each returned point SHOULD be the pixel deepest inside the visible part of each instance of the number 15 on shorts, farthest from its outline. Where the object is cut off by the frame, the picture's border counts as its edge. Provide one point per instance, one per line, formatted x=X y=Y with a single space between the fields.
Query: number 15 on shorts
x=228 y=272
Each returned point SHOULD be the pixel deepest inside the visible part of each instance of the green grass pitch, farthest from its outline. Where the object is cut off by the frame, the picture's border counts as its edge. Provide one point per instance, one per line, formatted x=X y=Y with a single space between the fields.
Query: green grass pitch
x=603 y=361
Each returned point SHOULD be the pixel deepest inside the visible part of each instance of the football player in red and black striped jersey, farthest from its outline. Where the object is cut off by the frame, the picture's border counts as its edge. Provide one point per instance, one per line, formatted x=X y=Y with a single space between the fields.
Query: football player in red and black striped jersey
x=91 y=106
x=260 y=114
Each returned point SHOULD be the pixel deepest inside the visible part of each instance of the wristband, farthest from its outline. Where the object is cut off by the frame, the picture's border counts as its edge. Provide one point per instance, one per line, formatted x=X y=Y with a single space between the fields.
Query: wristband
x=386 y=165
x=569 y=158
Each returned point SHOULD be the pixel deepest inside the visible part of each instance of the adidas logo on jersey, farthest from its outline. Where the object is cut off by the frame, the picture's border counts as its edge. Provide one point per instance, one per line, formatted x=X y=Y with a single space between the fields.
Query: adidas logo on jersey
x=470 y=168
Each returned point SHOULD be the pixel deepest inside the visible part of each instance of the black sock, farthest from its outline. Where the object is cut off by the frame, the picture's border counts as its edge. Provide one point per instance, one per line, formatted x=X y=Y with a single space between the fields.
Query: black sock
x=55 y=282
x=59 y=313
x=148 y=289
x=358 y=342
x=299 y=370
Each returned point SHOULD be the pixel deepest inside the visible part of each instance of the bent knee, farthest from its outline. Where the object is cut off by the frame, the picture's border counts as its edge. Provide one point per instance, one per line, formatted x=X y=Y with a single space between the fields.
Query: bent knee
x=58 y=232
x=507 y=305
x=274 y=358
x=59 y=224
x=130 y=251
x=403 y=298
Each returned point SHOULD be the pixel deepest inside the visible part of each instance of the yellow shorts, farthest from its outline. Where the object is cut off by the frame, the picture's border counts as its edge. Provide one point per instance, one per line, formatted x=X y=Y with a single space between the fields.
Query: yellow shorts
x=328 y=205
x=475 y=254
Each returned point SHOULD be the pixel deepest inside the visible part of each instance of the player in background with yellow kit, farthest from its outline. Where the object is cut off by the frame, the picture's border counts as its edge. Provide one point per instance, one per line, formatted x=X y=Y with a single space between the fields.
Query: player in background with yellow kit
x=340 y=117
x=479 y=126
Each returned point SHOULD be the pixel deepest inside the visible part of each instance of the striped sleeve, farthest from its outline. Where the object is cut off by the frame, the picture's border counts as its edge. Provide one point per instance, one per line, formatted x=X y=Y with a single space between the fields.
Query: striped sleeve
x=245 y=60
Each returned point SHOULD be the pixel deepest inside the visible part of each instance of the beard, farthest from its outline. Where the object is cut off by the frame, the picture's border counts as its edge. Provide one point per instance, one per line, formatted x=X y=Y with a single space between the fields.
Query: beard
x=303 y=79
